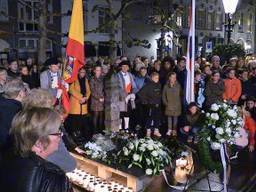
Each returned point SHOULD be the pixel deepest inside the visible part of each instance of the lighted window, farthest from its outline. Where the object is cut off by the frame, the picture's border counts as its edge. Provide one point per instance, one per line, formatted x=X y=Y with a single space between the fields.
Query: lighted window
x=179 y=21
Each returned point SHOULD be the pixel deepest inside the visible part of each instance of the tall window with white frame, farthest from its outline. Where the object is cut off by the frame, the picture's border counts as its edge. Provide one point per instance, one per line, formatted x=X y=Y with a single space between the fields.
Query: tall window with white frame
x=103 y=20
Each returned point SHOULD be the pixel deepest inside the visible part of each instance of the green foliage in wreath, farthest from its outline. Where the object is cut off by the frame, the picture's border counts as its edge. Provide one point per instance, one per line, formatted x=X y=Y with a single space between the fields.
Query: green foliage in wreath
x=205 y=157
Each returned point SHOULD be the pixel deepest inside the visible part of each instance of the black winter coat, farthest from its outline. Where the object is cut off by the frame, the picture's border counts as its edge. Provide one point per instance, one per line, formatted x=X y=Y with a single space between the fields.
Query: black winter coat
x=32 y=174
x=8 y=109
x=151 y=94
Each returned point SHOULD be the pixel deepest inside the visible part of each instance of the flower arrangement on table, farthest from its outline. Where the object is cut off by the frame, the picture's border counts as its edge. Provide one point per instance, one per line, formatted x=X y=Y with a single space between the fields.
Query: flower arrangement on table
x=95 y=151
x=147 y=154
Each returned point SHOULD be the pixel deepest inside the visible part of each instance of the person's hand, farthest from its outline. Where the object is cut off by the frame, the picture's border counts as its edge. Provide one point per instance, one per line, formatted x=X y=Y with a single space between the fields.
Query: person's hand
x=101 y=100
x=251 y=148
x=59 y=93
x=132 y=96
x=83 y=100
x=80 y=151
x=243 y=97
x=186 y=129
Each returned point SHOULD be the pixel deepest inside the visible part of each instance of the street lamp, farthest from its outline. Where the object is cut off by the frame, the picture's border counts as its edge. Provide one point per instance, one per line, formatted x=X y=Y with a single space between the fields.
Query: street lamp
x=230 y=8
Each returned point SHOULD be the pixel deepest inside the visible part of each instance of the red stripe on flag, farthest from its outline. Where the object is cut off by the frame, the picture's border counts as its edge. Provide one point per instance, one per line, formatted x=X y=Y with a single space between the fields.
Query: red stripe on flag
x=75 y=49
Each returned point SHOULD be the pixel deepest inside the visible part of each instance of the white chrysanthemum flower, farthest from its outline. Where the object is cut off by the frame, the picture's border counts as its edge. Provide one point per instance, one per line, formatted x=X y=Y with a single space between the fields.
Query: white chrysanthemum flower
x=207 y=114
x=136 y=157
x=126 y=152
x=149 y=172
x=215 y=146
x=222 y=140
x=214 y=107
x=215 y=116
x=208 y=138
x=225 y=105
x=233 y=121
x=150 y=147
x=228 y=130
x=231 y=113
x=219 y=130
x=154 y=153
x=131 y=146
x=148 y=161
x=142 y=148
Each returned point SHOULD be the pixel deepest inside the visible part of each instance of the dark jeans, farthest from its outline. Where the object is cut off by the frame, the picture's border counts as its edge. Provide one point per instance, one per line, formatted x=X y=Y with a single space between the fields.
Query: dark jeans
x=192 y=132
x=98 y=119
x=153 y=119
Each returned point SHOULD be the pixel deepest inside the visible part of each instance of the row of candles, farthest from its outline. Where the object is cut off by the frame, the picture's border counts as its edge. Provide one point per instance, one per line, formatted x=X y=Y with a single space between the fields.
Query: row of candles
x=95 y=184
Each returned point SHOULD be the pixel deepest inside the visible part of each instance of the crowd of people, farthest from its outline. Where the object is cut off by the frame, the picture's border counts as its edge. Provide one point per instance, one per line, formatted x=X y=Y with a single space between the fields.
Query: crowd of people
x=143 y=97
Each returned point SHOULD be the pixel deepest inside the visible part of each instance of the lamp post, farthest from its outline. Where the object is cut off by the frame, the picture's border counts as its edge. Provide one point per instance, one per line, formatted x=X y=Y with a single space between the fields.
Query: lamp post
x=230 y=8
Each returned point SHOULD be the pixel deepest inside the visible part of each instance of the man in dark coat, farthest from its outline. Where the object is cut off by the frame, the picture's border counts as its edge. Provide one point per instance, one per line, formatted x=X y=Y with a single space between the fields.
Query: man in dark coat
x=13 y=69
x=10 y=104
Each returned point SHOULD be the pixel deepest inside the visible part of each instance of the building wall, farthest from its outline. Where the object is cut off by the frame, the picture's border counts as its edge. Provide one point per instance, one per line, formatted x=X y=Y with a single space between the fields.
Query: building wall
x=14 y=35
x=91 y=21
x=210 y=17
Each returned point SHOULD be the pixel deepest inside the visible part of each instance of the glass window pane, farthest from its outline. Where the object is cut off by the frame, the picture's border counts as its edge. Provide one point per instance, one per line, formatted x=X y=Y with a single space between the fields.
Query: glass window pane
x=21 y=27
x=29 y=27
x=22 y=43
x=31 y=44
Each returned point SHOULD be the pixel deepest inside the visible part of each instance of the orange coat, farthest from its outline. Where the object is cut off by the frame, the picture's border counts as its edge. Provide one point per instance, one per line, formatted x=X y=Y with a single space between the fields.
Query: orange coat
x=75 y=92
x=233 y=89
x=250 y=125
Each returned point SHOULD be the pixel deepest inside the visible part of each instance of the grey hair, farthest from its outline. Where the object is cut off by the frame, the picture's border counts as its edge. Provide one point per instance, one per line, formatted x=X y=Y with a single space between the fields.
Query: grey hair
x=12 y=88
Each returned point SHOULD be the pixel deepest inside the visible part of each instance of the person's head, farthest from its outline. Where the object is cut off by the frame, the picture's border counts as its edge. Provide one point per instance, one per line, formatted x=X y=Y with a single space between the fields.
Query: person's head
x=53 y=64
x=36 y=130
x=155 y=77
x=199 y=60
x=38 y=98
x=137 y=60
x=82 y=72
x=215 y=61
x=207 y=70
x=250 y=103
x=125 y=66
x=24 y=70
x=14 y=89
x=193 y=108
x=215 y=76
x=240 y=63
x=97 y=71
x=181 y=61
x=13 y=66
x=157 y=65
x=244 y=74
x=29 y=61
x=254 y=71
x=3 y=76
x=143 y=71
x=168 y=63
x=231 y=73
x=145 y=60
x=198 y=76
x=172 y=78
x=233 y=61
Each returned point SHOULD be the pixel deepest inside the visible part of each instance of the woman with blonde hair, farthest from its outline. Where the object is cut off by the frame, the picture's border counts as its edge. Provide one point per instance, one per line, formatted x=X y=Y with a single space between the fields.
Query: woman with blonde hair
x=36 y=133
x=61 y=157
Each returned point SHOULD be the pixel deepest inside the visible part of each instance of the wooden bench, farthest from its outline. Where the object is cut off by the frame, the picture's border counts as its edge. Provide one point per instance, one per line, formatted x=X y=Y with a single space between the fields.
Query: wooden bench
x=108 y=173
